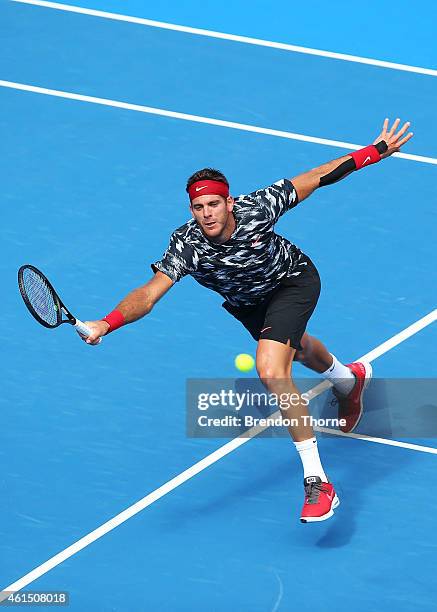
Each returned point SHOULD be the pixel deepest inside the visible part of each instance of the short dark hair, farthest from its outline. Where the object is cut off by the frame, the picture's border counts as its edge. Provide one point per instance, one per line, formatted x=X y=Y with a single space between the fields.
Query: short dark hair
x=207 y=174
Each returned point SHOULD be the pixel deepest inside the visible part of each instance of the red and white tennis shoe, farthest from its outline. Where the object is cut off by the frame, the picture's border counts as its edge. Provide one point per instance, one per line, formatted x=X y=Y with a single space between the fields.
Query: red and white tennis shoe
x=350 y=407
x=320 y=500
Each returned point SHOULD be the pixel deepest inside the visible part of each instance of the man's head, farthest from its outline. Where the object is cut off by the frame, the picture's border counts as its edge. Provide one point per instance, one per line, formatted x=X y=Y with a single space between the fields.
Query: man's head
x=210 y=203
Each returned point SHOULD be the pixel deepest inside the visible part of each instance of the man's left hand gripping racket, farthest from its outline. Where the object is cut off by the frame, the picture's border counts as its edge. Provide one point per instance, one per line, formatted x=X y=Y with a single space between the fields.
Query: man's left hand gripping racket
x=43 y=303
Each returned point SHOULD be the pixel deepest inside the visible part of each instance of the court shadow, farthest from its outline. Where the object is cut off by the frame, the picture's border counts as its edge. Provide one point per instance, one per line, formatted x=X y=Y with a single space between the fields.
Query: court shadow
x=390 y=414
x=356 y=466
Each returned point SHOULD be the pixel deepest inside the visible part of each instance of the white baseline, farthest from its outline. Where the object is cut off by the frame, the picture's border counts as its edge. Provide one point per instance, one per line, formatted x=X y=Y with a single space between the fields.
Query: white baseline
x=213 y=458
x=232 y=37
x=199 y=119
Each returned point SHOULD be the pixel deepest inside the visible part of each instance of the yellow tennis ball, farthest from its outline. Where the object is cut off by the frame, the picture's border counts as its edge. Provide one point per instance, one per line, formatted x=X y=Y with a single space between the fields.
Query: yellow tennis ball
x=244 y=362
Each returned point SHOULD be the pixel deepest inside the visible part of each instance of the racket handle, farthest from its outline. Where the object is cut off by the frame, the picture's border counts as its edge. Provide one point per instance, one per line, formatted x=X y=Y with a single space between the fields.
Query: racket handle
x=83 y=329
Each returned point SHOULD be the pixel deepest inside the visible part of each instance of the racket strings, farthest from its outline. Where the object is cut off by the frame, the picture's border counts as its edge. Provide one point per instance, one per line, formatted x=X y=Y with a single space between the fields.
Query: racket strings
x=40 y=297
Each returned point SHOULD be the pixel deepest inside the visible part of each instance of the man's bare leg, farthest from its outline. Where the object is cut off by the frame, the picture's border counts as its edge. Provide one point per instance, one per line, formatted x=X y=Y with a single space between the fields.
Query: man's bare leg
x=315 y=356
x=274 y=363
x=349 y=381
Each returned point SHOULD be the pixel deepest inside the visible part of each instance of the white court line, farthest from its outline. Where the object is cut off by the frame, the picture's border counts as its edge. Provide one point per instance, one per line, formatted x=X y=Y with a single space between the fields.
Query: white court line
x=416 y=447
x=213 y=458
x=233 y=37
x=199 y=119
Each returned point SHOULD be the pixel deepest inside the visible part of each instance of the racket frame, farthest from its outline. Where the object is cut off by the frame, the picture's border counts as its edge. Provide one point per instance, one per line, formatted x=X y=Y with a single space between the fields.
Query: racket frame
x=80 y=327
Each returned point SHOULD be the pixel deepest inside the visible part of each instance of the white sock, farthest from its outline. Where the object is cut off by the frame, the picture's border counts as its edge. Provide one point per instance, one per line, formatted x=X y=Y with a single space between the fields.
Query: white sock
x=309 y=454
x=341 y=376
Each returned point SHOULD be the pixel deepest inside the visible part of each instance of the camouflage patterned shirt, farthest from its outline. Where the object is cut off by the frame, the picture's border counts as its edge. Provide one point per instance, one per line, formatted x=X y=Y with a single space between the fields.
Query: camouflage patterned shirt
x=252 y=262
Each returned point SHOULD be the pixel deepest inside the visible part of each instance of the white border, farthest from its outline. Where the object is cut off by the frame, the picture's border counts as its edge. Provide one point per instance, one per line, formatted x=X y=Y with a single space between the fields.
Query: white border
x=237 y=442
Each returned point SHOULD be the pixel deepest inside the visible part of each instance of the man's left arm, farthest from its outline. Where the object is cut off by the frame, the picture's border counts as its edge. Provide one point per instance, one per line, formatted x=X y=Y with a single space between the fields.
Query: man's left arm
x=387 y=143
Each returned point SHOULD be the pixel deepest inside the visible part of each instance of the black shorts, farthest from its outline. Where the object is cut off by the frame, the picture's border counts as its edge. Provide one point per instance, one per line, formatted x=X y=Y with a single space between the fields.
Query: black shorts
x=284 y=313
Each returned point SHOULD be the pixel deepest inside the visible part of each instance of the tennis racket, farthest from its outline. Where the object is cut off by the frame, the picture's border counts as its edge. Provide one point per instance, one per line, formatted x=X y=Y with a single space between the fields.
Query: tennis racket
x=43 y=303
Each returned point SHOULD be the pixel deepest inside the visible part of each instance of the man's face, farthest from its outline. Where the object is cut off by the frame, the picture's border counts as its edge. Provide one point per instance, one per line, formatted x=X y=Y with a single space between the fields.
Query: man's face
x=214 y=214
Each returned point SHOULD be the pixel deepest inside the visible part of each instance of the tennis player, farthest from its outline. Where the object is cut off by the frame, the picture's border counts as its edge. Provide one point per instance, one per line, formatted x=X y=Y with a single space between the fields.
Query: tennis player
x=270 y=286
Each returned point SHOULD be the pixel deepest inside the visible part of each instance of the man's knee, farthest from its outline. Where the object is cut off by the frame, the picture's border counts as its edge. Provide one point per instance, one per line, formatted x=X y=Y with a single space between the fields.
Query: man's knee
x=274 y=361
x=269 y=374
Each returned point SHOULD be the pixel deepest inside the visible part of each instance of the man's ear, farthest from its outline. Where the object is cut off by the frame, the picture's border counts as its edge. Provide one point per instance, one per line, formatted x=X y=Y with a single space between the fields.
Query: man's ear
x=191 y=210
x=230 y=203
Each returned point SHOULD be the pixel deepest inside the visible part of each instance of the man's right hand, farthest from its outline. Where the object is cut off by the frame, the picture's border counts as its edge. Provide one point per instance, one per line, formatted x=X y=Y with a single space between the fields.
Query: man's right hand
x=98 y=329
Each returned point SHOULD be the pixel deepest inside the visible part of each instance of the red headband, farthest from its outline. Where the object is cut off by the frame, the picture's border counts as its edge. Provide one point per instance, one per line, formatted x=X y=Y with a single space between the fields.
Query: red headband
x=208 y=188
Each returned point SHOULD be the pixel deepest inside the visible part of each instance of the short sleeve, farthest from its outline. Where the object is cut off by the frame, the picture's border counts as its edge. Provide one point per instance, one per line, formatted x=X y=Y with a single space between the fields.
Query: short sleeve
x=276 y=199
x=177 y=261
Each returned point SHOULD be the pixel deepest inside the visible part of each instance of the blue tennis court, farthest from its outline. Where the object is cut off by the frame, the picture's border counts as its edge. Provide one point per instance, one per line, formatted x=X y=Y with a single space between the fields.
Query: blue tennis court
x=102 y=120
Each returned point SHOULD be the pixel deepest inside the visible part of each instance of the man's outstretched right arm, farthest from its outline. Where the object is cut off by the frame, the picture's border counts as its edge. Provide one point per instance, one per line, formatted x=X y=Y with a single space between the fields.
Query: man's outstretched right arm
x=134 y=306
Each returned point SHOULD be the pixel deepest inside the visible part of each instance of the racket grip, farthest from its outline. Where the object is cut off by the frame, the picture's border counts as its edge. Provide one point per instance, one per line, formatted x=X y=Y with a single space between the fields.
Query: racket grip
x=83 y=329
